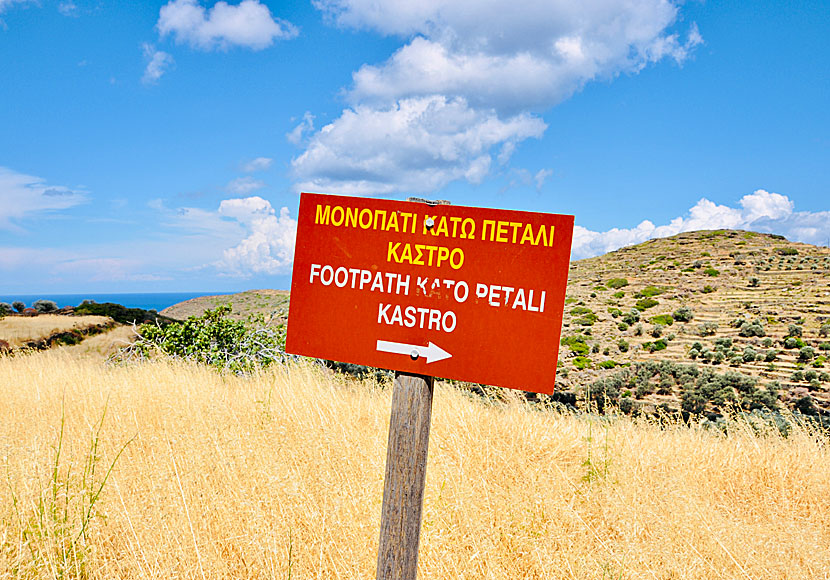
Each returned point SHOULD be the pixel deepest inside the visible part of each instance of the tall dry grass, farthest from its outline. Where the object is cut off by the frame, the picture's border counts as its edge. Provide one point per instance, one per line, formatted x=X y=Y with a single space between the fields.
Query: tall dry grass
x=18 y=330
x=280 y=476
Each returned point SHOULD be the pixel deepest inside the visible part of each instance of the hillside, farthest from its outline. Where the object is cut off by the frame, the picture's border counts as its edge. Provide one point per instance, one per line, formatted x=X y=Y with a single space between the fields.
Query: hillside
x=723 y=279
x=773 y=287
x=268 y=303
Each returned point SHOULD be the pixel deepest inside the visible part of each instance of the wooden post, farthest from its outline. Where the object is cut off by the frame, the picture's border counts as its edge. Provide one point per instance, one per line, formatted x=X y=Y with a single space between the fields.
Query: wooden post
x=406 y=470
x=406 y=467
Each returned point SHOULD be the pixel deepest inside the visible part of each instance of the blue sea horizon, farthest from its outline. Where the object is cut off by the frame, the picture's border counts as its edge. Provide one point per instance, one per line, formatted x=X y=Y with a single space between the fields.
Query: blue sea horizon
x=146 y=300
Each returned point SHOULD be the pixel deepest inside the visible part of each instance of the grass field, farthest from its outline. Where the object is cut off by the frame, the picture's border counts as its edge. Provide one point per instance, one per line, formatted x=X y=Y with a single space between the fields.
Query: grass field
x=18 y=330
x=280 y=476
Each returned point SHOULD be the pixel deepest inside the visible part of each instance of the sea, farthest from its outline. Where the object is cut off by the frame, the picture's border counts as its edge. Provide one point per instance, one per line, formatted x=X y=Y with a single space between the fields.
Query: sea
x=147 y=300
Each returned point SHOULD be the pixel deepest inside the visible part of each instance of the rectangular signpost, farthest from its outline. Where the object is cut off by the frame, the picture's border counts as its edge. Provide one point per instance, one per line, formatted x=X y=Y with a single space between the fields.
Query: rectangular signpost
x=427 y=290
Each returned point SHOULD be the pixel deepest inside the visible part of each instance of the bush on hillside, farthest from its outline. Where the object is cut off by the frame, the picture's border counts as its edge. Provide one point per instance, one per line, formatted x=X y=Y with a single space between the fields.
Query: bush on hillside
x=121 y=314
x=43 y=306
x=5 y=308
x=617 y=283
x=683 y=314
x=632 y=317
x=754 y=328
x=824 y=331
x=707 y=328
x=645 y=304
x=18 y=305
x=794 y=330
x=215 y=340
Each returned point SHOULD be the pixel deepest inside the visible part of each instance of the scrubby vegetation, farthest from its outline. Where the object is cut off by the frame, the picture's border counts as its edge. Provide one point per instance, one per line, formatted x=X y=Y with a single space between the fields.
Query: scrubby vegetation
x=215 y=340
x=121 y=314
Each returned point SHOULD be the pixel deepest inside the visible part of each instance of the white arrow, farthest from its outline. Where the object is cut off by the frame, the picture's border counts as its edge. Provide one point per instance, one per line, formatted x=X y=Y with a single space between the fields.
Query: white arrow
x=432 y=352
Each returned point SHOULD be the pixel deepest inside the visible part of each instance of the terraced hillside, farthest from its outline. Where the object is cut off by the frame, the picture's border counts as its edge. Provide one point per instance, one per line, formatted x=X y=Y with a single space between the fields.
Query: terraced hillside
x=755 y=303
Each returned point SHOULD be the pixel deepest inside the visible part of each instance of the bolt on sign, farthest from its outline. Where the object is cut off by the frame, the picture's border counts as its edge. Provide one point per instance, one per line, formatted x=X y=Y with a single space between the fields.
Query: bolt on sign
x=463 y=293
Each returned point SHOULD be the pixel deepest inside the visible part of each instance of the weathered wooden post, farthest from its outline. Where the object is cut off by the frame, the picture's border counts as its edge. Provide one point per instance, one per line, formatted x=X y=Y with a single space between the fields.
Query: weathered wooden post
x=406 y=468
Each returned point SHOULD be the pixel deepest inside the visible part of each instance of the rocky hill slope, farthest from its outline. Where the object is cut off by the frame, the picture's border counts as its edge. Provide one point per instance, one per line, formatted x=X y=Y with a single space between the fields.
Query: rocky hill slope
x=727 y=300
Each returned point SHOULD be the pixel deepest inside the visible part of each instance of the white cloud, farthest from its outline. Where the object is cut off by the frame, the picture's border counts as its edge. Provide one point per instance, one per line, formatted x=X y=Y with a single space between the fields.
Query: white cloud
x=257 y=164
x=417 y=145
x=510 y=55
x=269 y=247
x=248 y=24
x=6 y=4
x=760 y=211
x=22 y=195
x=158 y=62
x=244 y=185
x=68 y=8
x=504 y=60
x=298 y=133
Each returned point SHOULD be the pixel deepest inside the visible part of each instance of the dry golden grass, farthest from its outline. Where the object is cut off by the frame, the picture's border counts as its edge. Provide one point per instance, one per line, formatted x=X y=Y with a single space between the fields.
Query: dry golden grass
x=281 y=475
x=18 y=330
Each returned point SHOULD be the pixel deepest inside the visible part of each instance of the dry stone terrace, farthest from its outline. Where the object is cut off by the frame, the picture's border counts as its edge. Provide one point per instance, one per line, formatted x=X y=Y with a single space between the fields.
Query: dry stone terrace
x=724 y=277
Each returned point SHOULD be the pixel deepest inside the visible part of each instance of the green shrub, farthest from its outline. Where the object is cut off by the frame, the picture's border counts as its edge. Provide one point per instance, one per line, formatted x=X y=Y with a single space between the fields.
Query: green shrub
x=215 y=340
x=750 y=354
x=710 y=271
x=44 y=306
x=577 y=343
x=662 y=319
x=622 y=345
x=824 y=346
x=657 y=331
x=582 y=362
x=619 y=294
x=622 y=326
x=121 y=314
x=617 y=283
x=5 y=308
x=607 y=364
x=771 y=355
x=794 y=330
x=650 y=291
x=658 y=344
x=638 y=330
x=806 y=354
x=707 y=328
x=707 y=289
x=632 y=317
x=614 y=312
x=792 y=342
x=824 y=331
x=683 y=314
x=645 y=304
x=787 y=252
x=18 y=305
x=755 y=328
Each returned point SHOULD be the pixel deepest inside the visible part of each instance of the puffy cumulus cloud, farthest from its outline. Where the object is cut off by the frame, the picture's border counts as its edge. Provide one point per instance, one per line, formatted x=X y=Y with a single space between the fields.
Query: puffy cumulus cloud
x=510 y=55
x=23 y=195
x=497 y=61
x=759 y=211
x=417 y=145
x=158 y=62
x=257 y=164
x=269 y=246
x=249 y=24
x=244 y=185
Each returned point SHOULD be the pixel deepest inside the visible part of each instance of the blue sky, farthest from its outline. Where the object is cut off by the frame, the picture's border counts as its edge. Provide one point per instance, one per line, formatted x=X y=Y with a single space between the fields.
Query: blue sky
x=161 y=146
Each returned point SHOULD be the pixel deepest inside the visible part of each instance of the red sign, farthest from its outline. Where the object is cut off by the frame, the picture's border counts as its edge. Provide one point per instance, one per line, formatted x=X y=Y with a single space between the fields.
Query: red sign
x=456 y=292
